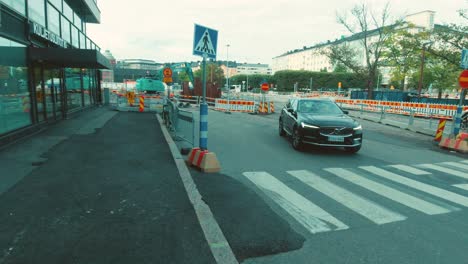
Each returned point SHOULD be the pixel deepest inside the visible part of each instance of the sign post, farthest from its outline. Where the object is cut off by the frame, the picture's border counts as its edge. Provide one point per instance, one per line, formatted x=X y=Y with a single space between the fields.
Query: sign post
x=204 y=44
x=464 y=59
x=463 y=81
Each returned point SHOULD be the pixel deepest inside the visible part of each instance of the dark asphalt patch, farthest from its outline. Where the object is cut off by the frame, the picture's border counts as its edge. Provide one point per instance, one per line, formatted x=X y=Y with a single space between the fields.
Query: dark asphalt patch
x=250 y=226
x=111 y=197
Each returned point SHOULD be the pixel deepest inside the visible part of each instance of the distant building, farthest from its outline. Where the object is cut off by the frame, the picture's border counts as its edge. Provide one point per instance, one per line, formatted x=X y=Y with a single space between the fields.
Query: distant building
x=132 y=69
x=108 y=75
x=312 y=58
x=139 y=64
x=249 y=69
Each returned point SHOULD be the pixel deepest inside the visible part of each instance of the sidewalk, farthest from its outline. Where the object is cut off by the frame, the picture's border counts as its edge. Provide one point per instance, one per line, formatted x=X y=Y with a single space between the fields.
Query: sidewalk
x=113 y=195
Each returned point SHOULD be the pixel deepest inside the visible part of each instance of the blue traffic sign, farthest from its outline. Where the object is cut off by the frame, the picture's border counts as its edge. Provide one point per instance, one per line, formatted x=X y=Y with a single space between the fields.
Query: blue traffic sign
x=464 y=59
x=205 y=41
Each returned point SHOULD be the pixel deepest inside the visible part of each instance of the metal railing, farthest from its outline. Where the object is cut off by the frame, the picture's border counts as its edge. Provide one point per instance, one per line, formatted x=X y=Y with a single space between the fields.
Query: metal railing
x=181 y=123
x=412 y=121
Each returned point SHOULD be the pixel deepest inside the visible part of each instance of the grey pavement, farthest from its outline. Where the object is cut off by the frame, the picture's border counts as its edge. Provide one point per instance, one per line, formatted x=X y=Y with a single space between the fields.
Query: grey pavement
x=104 y=189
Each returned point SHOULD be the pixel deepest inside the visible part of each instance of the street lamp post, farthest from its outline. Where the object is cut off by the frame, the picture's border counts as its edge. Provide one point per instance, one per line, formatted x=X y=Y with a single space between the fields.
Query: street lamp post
x=421 y=71
x=227 y=79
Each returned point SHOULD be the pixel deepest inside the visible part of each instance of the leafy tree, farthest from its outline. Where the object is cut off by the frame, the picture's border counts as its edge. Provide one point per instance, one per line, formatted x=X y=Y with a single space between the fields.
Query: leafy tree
x=402 y=52
x=450 y=40
x=371 y=31
x=285 y=80
x=214 y=74
x=340 y=68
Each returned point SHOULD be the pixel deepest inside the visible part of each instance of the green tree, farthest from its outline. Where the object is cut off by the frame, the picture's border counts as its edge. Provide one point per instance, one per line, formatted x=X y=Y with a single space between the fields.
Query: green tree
x=214 y=74
x=372 y=31
x=285 y=80
x=340 y=68
x=402 y=52
x=451 y=39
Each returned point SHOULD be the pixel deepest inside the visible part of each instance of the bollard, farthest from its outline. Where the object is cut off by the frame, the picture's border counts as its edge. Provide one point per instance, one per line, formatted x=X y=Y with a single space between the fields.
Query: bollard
x=440 y=130
x=142 y=104
x=382 y=113
x=411 y=117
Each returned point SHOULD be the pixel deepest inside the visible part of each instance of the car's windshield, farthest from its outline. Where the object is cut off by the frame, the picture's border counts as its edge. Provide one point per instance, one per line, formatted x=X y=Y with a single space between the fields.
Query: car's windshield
x=318 y=107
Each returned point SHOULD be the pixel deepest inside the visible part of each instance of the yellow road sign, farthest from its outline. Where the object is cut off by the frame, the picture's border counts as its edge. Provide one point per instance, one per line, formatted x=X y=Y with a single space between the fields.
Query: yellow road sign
x=167 y=79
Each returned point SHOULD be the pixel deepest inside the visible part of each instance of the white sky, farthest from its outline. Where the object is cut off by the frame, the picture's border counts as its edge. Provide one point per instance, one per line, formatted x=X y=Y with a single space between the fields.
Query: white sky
x=256 y=30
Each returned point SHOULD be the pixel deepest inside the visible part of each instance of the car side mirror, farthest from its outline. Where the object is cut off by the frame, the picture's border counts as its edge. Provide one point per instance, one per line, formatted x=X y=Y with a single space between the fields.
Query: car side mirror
x=346 y=112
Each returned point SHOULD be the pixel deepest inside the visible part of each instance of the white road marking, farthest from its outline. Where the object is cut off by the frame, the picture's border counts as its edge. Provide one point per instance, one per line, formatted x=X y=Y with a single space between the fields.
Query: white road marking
x=312 y=217
x=360 y=205
x=445 y=170
x=390 y=193
x=410 y=169
x=456 y=165
x=461 y=186
x=441 y=193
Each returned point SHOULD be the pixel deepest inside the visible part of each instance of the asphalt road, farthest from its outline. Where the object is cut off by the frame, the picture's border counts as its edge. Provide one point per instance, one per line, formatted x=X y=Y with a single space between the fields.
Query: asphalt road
x=399 y=200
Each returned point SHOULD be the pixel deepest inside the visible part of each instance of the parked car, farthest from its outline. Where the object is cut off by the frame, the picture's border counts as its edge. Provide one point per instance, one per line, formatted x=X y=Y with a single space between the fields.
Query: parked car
x=319 y=122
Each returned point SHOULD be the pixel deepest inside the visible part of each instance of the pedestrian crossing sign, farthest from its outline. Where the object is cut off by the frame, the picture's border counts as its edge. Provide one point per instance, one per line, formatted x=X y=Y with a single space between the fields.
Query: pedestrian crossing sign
x=205 y=41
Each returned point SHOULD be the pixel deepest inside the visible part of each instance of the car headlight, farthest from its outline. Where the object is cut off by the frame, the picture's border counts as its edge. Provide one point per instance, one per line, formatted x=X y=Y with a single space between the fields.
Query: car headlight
x=358 y=127
x=303 y=125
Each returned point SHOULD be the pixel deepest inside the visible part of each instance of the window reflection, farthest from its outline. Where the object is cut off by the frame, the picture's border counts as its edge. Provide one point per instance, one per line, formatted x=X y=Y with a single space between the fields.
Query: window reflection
x=53 y=19
x=73 y=88
x=15 y=103
x=18 y=5
x=37 y=11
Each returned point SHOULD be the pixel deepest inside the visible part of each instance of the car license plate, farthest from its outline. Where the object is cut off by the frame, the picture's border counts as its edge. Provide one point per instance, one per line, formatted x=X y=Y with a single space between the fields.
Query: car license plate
x=335 y=139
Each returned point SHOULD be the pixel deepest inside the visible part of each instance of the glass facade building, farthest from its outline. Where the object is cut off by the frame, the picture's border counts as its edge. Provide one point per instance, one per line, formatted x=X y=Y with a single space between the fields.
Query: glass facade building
x=49 y=67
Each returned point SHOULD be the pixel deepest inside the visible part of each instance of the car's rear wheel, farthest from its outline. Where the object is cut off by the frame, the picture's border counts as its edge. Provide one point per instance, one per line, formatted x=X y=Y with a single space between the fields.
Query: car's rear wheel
x=296 y=140
x=281 y=131
x=353 y=149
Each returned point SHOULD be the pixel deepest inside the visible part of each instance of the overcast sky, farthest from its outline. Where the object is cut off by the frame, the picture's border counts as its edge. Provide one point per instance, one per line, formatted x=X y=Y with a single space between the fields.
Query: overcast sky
x=256 y=30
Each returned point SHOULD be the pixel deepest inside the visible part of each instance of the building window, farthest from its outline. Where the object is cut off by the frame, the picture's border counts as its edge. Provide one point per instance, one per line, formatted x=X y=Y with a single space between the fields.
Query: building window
x=18 y=5
x=77 y=21
x=66 y=30
x=75 y=37
x=53 y=19
x=67 y=11
x=57 y=4
x=82 y=41
x=37 y=11
x=14 y=92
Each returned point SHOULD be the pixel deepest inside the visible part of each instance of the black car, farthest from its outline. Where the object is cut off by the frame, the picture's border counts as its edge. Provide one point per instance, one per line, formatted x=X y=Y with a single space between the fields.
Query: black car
x=319 y=122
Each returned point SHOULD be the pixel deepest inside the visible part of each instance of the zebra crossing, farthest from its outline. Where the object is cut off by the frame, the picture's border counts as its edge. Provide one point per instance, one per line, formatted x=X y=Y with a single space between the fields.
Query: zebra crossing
x=394 y=182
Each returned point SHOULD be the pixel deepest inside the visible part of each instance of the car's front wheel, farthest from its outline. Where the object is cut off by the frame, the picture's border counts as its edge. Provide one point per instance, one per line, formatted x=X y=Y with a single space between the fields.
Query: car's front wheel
x=281 y=129
x=353 y=149
x=296 y=140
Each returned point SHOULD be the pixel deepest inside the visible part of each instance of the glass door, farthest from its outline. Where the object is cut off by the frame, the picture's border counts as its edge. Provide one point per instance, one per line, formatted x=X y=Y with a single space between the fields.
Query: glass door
x=39 y=90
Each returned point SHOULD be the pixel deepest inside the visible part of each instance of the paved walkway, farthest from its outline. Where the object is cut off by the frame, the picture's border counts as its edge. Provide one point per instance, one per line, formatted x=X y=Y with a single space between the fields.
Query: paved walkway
x=105 y=195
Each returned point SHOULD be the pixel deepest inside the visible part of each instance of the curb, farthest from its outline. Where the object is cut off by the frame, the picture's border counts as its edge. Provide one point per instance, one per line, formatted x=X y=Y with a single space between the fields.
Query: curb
x=217 y=242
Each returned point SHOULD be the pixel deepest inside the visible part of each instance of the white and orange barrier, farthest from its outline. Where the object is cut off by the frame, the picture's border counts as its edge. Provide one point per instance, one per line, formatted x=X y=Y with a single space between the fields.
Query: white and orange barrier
x=235 y=105
x=266 y=107
x=402 y=108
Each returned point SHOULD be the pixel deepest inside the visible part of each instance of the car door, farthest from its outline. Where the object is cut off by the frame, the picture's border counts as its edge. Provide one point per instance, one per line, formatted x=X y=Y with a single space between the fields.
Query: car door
x=290 y=118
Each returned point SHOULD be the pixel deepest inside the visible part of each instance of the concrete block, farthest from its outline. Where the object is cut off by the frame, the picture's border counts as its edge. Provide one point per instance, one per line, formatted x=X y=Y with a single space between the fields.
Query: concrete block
x=209 y=163
x=463 y=147
x=195 y=157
